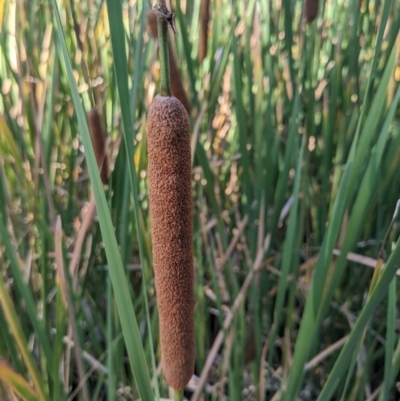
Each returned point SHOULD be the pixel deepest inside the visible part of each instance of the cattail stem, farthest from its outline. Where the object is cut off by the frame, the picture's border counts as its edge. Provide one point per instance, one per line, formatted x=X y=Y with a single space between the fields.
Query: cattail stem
x=165 y=81
x=178 y=395
x=177 y=88
x=169 y=173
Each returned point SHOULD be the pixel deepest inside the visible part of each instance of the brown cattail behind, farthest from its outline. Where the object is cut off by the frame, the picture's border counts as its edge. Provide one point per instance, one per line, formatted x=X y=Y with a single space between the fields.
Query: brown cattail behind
x=169 y=174
x=99 y=143
x=203 y=36
x=177 y=88
x=311 y=10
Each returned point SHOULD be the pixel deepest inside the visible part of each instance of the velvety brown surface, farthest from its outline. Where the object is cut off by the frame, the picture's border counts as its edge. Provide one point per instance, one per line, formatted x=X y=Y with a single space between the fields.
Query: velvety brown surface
x=311 y=10
x=99 y=143
x=203 y=36
x=177 y=88
x=169 y=174
x=152 y=24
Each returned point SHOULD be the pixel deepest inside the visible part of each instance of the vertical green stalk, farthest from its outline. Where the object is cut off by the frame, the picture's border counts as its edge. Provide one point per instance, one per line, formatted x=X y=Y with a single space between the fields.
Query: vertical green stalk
x=111 y=388
x=163 y=15
x=178 y=394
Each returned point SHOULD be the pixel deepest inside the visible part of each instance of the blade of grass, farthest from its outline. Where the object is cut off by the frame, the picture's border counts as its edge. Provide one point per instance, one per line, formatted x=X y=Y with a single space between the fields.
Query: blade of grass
x=111 y=387
x=17 y=383
x=390 y=336
x=121 y=72
x=61 y=325
x=20 y=339
x=288 y=253
x=122 y=295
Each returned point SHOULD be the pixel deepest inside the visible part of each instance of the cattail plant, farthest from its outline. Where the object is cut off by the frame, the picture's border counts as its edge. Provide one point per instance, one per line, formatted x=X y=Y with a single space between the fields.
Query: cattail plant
x=311 y=10
x=99 y=143
x=203 y=36
x=177 y=88
x=169 y=174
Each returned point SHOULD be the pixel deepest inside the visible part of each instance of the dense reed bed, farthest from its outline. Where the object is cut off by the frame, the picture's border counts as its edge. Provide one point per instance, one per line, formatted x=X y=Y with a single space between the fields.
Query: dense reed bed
x=294 y=135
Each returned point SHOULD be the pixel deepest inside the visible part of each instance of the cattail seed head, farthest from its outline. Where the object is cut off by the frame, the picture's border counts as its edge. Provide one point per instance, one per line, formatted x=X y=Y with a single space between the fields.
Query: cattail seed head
x=169 y=174
x=203 y=36
x=152 y=24
x=99 y=143
x=311 y=10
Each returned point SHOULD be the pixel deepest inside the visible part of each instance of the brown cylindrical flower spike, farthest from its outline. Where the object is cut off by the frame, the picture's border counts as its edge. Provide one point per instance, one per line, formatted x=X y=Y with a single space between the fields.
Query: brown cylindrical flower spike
x=169 y=174
x=311 y=10
x=203 y=36
x=99 y=143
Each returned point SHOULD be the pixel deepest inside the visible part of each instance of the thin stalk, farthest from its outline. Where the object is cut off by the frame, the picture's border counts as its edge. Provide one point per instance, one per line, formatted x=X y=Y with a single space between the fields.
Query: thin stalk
x=165 y=84
x=178 y=394
x=164 y=17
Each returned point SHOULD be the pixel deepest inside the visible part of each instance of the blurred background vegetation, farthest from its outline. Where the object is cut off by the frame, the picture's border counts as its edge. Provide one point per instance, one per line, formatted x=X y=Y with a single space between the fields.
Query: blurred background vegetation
x=296 y=150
